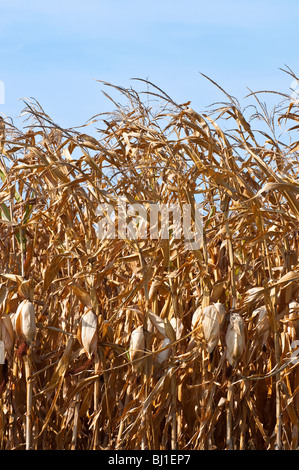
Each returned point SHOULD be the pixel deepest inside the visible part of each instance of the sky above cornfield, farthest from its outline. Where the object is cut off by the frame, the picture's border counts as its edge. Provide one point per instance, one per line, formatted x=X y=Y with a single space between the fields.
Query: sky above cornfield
x=55 y=51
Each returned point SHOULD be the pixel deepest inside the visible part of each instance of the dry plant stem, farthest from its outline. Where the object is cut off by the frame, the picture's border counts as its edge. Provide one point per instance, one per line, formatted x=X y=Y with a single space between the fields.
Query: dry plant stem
x=231 y=253
x=13 y=241
x=243 y=427
x=75 y=423
x=205 y=367
x=173 y=384
x=96 y=401
x=29 y=385
x=102 y=358
x=271 y=309
x=1 y=424
x=207 y=405
x=229 y=414
x=12 y=424
x=122 y=423
x=22 y=251
x=277 y=395
x=174 y=412
x=296 y=405
x=147 y=362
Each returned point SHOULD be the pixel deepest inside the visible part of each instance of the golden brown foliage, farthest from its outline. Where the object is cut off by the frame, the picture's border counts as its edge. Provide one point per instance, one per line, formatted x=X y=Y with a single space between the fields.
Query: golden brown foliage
x=57 y=395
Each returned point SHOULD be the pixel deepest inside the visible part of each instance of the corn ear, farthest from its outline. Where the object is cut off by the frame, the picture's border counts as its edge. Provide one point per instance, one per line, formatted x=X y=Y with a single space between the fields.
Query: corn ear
x=25 y=322
x=163 y=355
x=263 y=326
x=87 y=333
x=177 y=326
x=235 y=339
x=212 y=318
x=136 y=351
x=196 y=317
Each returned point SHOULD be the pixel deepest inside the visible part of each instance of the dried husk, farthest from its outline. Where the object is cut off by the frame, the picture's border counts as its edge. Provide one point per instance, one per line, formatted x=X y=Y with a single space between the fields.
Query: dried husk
x=263 y=326
x=163 y=355
x=25 y=322
x=26 y=291
x=293 y=328
x=7 y=333
x=136 y=350
x=177 y=326
x=212 y=318
x=235 y=338
x=87 y=334
x=196 y=317
x=13 y=303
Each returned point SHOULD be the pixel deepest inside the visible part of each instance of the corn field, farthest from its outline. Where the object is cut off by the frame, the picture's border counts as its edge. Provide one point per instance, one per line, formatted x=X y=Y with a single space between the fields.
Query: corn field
x=139 y=343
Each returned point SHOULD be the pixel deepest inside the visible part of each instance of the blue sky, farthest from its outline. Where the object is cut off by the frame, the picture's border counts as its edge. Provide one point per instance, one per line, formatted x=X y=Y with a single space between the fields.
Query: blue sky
x=54 y=51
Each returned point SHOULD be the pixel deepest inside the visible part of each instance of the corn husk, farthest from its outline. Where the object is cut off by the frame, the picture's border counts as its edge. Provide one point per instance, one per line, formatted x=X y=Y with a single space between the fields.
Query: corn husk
x=235 y=339
x=7 y=333
x=263 y=326
x=212 y=318
x=196 y=317
x=177 y=326
x=163 y=355
x=177 y=329
x=293 y=327
x=12 y=317
x=137 y=345
x=26 y=291
x=159 y=323
x=87 y=334
x=25 y=326
x=13 y=303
